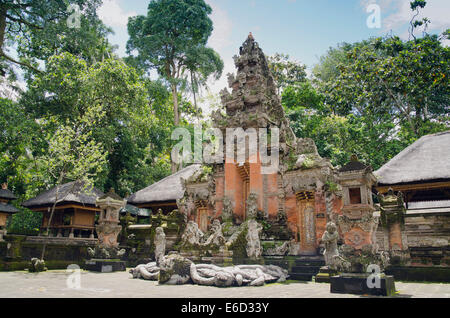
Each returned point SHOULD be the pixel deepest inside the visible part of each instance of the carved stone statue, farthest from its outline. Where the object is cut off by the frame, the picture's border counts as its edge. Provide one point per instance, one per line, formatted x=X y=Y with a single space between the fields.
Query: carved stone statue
x=36 y=265
x=330 y=238
x=192 y=234
x=216 y=237
x=177 y=270
x=160 y=244
x=253 y=248
x=252 y=206
x=227 y=212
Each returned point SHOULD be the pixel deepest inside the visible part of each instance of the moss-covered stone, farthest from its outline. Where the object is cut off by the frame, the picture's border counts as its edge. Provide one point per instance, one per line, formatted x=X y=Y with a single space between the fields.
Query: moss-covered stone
x=239 y=246
x=174 y=265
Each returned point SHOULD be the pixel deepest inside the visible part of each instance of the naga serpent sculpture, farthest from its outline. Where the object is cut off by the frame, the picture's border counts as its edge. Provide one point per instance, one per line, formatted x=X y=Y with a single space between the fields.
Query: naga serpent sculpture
x=177 y=270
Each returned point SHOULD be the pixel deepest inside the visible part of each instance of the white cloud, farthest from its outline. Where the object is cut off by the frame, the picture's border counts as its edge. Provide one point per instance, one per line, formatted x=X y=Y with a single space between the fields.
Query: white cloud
x=112 y=14
x=221 y=35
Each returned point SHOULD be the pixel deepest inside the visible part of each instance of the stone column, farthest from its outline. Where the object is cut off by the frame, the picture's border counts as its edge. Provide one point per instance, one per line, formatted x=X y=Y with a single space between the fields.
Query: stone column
x=393 y=212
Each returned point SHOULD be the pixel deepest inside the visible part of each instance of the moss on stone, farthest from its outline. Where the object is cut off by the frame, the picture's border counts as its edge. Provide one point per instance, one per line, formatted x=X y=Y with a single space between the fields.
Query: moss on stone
x=239 y=246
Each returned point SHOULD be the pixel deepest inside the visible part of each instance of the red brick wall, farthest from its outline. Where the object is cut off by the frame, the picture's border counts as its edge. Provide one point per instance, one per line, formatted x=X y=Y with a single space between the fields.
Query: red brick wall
x=234 y=188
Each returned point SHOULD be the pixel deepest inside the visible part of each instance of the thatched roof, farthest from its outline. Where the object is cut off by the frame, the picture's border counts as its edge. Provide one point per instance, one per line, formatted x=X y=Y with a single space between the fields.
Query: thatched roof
x=167 y=189
x=72 y=192
x=426 y=159
x=7 y=208
x=7 y=194
x=135 y=211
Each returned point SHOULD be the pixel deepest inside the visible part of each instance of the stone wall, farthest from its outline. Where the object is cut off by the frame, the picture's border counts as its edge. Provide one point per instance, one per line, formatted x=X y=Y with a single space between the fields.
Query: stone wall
x=428 y=238
x=17 y=250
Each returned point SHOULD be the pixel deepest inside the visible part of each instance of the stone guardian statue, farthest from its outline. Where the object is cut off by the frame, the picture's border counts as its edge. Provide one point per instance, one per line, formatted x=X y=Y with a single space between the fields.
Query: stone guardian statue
x=160 y=244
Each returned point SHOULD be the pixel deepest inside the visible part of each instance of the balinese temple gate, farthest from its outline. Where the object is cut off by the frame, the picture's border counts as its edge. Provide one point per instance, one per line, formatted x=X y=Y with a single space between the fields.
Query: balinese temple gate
x=294 y=201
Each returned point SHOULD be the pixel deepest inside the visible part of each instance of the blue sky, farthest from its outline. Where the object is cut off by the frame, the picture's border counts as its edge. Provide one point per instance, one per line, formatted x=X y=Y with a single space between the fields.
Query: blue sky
x=303 y=29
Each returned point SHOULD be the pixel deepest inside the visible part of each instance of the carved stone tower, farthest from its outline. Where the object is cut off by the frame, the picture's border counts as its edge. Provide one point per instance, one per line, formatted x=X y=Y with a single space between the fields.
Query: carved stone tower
x=108 y=227
x=357 y=223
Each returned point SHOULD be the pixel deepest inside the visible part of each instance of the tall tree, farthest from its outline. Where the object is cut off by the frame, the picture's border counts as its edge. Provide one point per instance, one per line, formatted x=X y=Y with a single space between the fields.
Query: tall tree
x=72 y=155
x=135 y=130
x=170 y=38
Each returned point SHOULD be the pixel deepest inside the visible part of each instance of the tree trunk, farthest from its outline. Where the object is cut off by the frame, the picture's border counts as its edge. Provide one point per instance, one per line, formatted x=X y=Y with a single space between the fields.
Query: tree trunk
x=176 y=118
x=2 y=26
x=50 y=221
x=175 y=105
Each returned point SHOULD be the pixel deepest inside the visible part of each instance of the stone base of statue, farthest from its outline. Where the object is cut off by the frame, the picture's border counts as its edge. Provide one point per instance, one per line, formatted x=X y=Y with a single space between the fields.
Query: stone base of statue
x=105 y=265
x=105 y=260
x=362 y=284
x=324 y=275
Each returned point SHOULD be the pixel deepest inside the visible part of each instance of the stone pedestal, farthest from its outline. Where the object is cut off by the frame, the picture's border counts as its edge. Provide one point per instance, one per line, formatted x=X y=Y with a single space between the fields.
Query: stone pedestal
x=324 y=275
x=105 y=265
x=357 y=284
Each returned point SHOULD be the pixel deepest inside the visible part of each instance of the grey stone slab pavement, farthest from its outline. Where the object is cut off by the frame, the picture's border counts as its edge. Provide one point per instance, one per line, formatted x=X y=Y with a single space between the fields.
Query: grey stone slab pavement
x=120 y=285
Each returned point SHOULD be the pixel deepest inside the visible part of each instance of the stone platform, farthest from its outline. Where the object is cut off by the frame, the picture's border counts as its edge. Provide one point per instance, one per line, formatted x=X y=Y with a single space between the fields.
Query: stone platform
x=105 y=265
x=302 y=268
x=357 y=284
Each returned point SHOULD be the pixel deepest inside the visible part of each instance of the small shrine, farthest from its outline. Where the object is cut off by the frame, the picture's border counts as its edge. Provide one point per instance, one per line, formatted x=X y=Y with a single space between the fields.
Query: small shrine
x=75 y=210
x=106 y=256
x=357 y=222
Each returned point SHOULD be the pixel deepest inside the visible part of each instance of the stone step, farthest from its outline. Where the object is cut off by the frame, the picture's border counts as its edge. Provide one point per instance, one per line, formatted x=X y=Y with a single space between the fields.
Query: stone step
x=300 y=276
x=317 y=263
x=306 y=269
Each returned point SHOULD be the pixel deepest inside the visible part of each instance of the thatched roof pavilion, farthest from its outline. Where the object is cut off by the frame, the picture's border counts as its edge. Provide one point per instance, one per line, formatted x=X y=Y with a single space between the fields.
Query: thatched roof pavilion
x=164 y=193
x=70 y=193
x=75 y=208
x=421 y=171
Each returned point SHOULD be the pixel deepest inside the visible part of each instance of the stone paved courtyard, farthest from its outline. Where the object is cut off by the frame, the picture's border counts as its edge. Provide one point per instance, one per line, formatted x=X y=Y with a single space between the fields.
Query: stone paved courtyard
x=120 y=285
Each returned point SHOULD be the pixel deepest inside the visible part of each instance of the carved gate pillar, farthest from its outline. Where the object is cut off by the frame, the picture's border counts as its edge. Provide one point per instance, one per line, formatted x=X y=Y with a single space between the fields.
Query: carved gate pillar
x=393 y=212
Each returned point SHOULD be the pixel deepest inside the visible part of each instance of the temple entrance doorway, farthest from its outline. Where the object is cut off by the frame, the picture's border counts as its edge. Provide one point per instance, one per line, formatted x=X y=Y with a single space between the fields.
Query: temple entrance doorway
x=202 y=219
x=307 y=226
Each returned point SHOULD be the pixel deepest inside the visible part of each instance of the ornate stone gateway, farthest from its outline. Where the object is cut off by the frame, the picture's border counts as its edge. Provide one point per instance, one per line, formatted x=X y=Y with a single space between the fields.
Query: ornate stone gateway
x=289 y=203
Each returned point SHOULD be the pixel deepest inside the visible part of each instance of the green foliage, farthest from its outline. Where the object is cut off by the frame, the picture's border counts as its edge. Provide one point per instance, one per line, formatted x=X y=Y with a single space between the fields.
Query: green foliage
x=286 y=72
x=133 y=128
x=25 y=222
x=372 y=98
x=39 y=29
